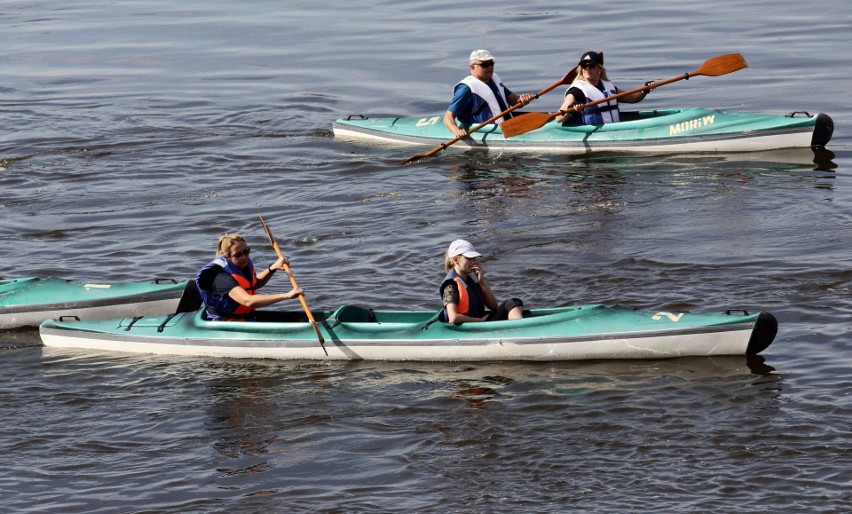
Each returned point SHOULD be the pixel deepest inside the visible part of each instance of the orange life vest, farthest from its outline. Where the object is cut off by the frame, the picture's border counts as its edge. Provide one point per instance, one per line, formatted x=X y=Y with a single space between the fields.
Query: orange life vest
x=242 y=311
x=471 y=301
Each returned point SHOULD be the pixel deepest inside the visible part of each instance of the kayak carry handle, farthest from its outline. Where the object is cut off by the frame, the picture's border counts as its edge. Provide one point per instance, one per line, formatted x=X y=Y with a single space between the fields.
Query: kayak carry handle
x=67 y=317
x=731 y=311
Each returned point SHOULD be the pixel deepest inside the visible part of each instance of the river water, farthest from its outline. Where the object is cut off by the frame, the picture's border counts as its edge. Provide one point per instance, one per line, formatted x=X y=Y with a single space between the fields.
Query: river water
x=135 y=133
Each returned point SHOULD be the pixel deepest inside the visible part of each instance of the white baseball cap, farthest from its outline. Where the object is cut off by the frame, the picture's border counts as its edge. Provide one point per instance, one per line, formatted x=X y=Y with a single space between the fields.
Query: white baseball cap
x=481 y=55
x=462 y=247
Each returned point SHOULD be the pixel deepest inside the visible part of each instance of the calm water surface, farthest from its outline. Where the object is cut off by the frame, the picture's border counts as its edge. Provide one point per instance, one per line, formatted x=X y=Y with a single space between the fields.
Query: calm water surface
x=135 y=133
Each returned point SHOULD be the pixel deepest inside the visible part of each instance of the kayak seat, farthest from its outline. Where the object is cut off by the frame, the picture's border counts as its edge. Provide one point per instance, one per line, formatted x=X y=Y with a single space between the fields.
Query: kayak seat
x=630 y=116
x=190 y=299
x=351 y=314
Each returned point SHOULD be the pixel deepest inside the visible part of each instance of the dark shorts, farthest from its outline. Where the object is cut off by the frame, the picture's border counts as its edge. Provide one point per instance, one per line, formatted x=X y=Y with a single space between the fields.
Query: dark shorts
x=503 y=309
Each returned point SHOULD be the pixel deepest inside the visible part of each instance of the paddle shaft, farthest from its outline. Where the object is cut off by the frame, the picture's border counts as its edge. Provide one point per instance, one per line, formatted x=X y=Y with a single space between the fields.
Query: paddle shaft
x=567 y=79
x=716 y=66
x=292 y=280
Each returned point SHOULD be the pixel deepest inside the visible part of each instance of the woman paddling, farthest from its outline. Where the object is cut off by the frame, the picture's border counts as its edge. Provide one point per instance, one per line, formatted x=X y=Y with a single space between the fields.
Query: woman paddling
x=228 y=284
x=465 y=292
x=591 y=85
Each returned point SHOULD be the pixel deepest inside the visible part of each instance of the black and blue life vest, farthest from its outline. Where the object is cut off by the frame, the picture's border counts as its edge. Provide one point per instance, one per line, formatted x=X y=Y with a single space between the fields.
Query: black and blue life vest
x=471 y=295
x=221 y=307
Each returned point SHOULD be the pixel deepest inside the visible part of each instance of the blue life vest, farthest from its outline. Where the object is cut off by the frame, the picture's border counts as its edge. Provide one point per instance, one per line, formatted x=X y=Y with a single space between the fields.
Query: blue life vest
x=224 y=307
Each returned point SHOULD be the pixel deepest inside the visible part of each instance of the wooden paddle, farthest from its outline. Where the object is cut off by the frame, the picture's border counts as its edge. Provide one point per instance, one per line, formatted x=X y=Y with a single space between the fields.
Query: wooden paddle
x=293 y=281
x=721 y=65
x=567 y=79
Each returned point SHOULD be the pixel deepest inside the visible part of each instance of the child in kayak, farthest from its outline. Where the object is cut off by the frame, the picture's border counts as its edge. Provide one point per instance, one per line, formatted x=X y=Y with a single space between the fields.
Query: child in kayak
x=465 y=292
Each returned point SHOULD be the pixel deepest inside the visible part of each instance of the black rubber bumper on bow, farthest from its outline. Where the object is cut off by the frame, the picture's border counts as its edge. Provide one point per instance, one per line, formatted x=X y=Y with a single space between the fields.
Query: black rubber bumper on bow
x=765 y=329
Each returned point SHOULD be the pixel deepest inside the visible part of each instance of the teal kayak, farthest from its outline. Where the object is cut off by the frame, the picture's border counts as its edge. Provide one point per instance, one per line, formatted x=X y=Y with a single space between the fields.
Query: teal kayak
x=355 y=333
x=28 y=301
x=649 y=131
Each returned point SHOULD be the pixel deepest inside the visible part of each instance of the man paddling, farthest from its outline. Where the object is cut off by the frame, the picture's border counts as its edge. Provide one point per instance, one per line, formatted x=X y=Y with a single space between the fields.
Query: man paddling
x=480 y=96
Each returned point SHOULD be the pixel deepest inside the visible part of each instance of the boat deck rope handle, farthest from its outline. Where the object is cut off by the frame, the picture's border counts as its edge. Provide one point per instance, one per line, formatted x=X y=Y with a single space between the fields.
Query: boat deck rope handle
x=163 y=324
x=130 y=325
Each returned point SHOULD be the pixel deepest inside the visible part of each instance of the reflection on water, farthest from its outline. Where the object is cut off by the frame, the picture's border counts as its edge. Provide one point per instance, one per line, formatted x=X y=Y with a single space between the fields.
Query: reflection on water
x=19 y=338
x=319 y=430
x=824 y=160
x=275 y=426
x=789 y=159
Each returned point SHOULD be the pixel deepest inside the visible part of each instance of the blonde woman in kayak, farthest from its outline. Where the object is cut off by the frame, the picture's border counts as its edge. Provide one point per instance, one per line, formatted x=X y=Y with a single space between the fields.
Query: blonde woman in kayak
x=465 y=292
x=591 y=85
x=228 y=284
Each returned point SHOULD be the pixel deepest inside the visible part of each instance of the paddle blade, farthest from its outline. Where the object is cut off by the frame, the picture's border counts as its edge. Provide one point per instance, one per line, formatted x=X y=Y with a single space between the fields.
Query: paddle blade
x=722 y=65
x=438 y=148
x=568 y=78
x=266 y=229
x=269 y=235
x=414 y=158
x=525 y=123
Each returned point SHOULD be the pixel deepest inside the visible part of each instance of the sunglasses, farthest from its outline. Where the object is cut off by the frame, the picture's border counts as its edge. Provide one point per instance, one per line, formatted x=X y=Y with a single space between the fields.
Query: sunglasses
x=588 y=65
x=239 y=255
x=486 y=64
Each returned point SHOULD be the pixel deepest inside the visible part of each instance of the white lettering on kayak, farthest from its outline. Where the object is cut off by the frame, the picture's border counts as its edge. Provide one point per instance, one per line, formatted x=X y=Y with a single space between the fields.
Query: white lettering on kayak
x=425 y=122
x=658 y=316
x=683 y=126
